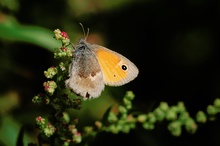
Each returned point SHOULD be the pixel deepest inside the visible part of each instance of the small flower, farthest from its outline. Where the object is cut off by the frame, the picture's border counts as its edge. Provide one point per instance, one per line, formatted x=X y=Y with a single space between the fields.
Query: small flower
x=127 y=103
x=41 y=98
x=160 y=115
x=58 y=53
x=151 y=118
x=125 y=128
x=57 y=34
x=65 y=42
x=171 y=114
x=129 y=95
x=49 y=130
x=47 y=100
x=40 y=120
x=67 y=142
x=122 y=109
x=51 y=72
x=201 y=117
x=211 y=110
x=181 y=107
x=217 y=103
x=164 y=106
x=147 y=125
x=72 y=128
x=114 y=129
x=131 y=119
x=62 y=66
x=175 y=128
x=37 y=99
x=191 y=125
x=142 y=118
x=112 y=117
x=61 y=35
x=184 y=116
x=50 y=87
x=69 y=52
x=63 y=52
x=64 y=49
x=65 y=117
x=176 y=132
x=77 y=138
x=88 y=129
x=64 y=35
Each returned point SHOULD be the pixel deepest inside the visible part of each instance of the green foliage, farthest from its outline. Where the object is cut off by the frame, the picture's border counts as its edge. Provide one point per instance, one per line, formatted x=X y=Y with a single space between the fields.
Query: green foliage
x=11 y=30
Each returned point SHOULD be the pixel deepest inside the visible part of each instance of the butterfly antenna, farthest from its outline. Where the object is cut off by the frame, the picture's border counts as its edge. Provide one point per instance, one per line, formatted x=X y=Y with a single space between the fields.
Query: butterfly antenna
x=84 y=33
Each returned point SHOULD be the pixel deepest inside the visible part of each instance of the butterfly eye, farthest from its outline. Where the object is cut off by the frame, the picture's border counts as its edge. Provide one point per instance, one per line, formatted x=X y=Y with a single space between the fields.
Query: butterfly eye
x=82 y=47
x=124 y=67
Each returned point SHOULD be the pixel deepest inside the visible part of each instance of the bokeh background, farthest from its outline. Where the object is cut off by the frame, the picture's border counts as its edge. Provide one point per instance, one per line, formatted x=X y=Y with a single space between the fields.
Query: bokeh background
x=175 y=45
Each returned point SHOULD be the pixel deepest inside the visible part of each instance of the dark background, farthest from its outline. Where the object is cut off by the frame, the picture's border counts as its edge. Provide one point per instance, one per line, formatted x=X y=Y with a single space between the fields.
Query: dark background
x=175 y=45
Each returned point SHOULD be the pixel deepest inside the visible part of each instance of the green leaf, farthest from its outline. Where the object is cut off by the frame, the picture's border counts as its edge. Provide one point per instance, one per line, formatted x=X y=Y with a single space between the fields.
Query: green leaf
x=11 y=30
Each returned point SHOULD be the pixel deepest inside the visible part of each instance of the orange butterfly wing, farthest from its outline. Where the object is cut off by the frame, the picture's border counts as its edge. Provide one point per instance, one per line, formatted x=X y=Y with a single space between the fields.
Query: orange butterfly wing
x=117 y=69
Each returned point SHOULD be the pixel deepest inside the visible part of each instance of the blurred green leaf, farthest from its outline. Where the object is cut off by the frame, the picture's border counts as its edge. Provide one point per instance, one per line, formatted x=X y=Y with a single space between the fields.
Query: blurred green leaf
x=9 y=131
x=10 y=29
